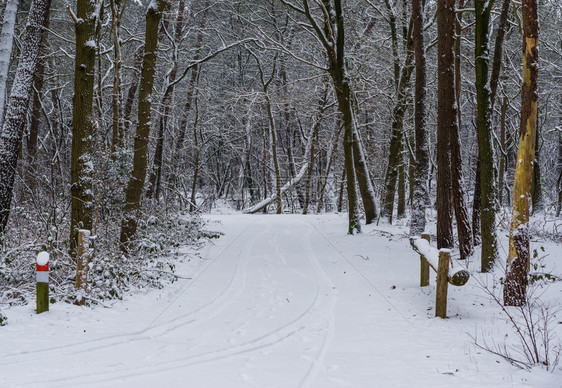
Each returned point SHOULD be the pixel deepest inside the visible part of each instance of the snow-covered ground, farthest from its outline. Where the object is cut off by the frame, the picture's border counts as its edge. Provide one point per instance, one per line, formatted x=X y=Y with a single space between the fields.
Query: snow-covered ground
x=280 y=301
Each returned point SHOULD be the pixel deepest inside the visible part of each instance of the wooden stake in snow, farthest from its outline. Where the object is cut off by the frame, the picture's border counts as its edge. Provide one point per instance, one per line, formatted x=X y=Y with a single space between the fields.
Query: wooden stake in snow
x=42 y=278
x=424 y=268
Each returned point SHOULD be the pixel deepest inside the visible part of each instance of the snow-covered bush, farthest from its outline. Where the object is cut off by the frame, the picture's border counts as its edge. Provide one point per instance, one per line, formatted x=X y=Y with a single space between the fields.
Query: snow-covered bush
x=150 y=264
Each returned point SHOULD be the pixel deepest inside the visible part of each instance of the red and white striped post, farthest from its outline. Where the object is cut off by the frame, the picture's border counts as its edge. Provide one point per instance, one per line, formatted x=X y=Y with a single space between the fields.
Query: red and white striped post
x=42 y=278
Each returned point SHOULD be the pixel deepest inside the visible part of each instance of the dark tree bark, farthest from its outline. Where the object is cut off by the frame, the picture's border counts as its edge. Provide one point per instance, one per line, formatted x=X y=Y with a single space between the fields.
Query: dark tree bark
x=559 y=180
x=36 y=111
x=446 y=118
x=332 y=35
x=498 y=51
x=397 y=134
x=138 y=174
x=417 y=226
x=515 y=287
x=81 y=164
x=17 y=106
x=484 y=130
x=132 y=92
x=364 y=179
x=536 y=186
x=155 y=179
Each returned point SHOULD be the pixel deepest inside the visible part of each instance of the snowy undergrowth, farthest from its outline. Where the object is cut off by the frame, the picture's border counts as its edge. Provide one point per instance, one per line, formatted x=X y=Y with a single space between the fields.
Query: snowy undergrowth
x=163 y=240
x=529 y=336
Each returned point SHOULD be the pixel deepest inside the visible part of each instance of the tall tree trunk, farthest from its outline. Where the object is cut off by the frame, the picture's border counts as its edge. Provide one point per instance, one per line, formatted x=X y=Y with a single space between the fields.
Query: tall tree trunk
x=397 y=134
x=81 y=164
x=559 y=181
x=498 y=51
x=458 y=78
x=36 y=111
x=138 y=174
x=331 y=156
x=446 y=118
x=155 y=179
x=131 y=93
x=401 y=209
x=476 y=204
x=117 y=10
x=333 y=37
x=536 y=186
x=503 y=152
x=364 y=179
x=484 y=130
x=18 y=103
x=464 y=231
x=7 y=44
x=515 y=287
x=314 y=132
x=197 y=162
x=417 y=225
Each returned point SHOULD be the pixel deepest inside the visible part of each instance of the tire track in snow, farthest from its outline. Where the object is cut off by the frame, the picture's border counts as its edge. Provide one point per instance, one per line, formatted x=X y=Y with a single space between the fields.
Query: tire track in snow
x=165 y=327
x=318 y=314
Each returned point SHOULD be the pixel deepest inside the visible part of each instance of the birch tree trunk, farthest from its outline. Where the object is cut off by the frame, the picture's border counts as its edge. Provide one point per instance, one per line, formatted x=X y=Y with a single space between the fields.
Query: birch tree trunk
x=6 y=45
x=18 y=103
x=515 y=287
x=138 y=174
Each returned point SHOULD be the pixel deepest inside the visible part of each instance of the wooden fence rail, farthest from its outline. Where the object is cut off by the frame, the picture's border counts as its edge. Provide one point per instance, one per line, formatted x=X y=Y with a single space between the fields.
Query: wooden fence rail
x=440 y=261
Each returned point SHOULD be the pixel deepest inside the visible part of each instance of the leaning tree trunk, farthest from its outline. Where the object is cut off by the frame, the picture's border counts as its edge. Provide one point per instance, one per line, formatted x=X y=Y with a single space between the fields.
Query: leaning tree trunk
x=515 y=288
x=138 y=175
x=484 y=131
x=333 y=39
x=6 y=42
x=81 y=163
x=446 y=118
x=18 y=103
x=417 y=225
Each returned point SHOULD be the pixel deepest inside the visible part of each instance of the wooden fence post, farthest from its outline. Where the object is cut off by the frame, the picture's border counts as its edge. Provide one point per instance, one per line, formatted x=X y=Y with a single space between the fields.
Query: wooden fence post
x=442 y=283
x=424 y=268
x=83 y=258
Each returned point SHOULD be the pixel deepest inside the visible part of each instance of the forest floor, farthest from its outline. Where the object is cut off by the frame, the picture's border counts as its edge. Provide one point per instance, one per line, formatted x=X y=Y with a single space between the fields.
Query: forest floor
x=283 y=301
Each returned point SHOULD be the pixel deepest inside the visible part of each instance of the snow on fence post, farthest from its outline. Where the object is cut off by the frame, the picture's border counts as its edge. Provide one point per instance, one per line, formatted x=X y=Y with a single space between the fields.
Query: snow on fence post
x=424 y=268
x=441 y=286
x=83 y=258
x=42 y=279
x=447 y=271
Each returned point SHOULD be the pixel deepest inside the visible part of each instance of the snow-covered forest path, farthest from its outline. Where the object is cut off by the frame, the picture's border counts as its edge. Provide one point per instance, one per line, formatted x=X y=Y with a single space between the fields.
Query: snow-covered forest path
x=279 y=301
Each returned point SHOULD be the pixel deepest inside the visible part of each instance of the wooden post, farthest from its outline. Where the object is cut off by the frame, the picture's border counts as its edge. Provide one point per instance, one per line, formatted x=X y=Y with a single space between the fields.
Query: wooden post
x=442 y=283
x=424 y=269
x=83 y=257
x=42 y=280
